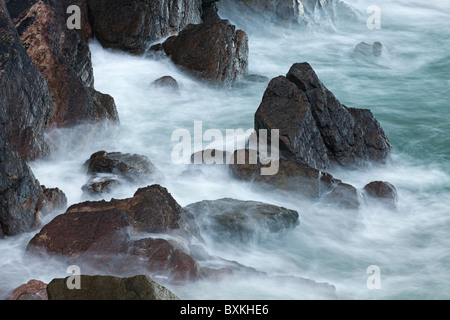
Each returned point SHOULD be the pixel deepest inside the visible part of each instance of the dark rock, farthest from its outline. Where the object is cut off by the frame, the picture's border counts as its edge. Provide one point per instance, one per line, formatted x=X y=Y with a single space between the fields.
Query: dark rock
x=63 y=58
x=230 y=219
x=32 y=290
x=140 y=287
x=25 y=100
x=301 y=179
x=21 y=196
x=315 y=128
x=166 y=82
x=132 y=25
x=216 y=53
x=382 y=191
x=108 y=170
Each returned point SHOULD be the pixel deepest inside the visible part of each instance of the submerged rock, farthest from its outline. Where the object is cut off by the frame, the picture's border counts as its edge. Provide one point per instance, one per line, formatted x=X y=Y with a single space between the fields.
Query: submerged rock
x=383 y=192
x=166 y=82
x=230 y=219
x=366 y=50
x=32 y=290
x=108 y=170
x=315 y=128
x=224 y=61
x=140 y=287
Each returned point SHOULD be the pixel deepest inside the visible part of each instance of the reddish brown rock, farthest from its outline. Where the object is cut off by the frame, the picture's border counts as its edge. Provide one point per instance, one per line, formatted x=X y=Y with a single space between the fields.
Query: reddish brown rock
x=32 y=290
x=382 y=191
x=63 y=58
x=100 y=234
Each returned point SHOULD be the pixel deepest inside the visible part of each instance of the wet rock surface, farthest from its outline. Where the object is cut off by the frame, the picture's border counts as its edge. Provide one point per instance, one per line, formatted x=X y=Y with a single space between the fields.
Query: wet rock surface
x=132 y=25
x=99 y=287
x=315 y=128
x=214 y=52
x=242 y=221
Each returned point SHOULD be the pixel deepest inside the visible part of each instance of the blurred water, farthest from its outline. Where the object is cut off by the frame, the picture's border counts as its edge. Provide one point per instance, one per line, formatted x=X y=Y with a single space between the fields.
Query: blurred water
x=407 y=88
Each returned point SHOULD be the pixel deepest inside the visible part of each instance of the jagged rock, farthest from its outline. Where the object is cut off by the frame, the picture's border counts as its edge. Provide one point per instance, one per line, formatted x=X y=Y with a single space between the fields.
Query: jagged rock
x=63 y=58
x=232 y=219
x=132 y=25
x=226 y=57
x=315 y=128
x=140 y=287
x=32 y=290
x=166 y=82
x=56 y=199
x=382 y=191
x=21 y=195
x=25 y=101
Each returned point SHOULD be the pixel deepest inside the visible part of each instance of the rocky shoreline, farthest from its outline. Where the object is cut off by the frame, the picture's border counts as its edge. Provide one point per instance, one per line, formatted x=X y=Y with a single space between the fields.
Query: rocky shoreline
x=47 y=82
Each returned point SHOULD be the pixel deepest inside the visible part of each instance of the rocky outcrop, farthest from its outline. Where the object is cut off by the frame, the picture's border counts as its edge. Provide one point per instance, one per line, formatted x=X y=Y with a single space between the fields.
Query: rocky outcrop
x=108 y=170
x=98 y=287
x=315 y=128
x=244 y=221
x=214 y=51
x=132 y=25
x=102 y=234
x=63 y=58
x=25 y=101
x=301 y=179
x=32 y=290
x=22 y=199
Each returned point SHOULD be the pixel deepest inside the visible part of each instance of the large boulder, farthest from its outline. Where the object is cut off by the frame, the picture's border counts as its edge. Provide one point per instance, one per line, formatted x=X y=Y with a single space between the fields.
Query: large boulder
x=22 y=199
x=140 y=287
x=103 y=235
x=132 y=25
x=315 y=128
x=231 y=219
x=25 y=100
x=214 y=51
x=64 y=59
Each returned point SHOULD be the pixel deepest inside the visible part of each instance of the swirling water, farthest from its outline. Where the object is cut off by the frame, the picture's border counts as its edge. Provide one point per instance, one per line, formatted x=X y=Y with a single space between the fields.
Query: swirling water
x=407 y=89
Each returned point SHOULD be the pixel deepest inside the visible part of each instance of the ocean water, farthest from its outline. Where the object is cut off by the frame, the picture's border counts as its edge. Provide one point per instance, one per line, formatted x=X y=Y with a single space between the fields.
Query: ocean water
x=407 y=89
